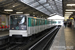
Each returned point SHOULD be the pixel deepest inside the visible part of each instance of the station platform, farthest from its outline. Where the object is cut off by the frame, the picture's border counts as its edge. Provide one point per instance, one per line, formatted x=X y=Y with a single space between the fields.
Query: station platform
x=4 y=33
x=64 y=39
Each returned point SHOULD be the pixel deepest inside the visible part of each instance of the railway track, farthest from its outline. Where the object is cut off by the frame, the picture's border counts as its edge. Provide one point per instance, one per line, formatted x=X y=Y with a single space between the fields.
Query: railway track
x=42 y=44
x=47 y=37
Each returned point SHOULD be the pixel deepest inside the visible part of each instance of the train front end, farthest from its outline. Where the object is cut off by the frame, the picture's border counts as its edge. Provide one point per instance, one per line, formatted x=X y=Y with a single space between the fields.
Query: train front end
x=18 y=25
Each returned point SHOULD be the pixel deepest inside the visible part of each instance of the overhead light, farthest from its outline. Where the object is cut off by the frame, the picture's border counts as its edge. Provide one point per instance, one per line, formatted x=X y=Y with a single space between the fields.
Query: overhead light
x=69 y=12
x=70 y=9
x=70 y=4
x=8 y=10
x=13 y=5
x=27 y=14
x=18 y=12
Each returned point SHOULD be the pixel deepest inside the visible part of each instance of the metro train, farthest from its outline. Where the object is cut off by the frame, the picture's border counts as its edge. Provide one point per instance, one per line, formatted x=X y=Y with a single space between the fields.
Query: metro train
x=25 y=26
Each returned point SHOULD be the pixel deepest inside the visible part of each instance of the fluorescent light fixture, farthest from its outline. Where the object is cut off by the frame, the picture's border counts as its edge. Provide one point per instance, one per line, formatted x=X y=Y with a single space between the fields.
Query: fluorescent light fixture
x=13 y=5
x=27 y=14
x=69 y=12
x=70 y=9
x=70 y=4
x=18 y=12
x=8 y=10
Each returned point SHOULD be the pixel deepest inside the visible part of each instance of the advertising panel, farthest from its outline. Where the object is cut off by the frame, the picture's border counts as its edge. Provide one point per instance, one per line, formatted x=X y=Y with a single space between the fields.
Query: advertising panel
x=2 y=20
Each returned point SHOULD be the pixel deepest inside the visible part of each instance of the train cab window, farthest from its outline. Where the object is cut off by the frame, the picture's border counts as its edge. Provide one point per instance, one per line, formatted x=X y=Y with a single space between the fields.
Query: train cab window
x=18 y=22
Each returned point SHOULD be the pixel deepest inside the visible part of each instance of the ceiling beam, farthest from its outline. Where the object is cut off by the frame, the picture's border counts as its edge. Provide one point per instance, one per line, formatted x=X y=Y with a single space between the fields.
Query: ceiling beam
x=6 y=2
x=40 y=5
x=45 y=7
x=56 y=6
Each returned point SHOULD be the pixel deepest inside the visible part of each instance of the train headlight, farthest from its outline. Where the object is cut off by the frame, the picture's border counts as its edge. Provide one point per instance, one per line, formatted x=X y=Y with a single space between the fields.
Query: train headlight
x=22 y=28
x=12 y=28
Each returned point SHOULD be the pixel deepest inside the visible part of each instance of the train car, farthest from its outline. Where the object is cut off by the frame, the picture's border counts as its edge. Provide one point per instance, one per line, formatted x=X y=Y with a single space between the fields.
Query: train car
x=25 y=26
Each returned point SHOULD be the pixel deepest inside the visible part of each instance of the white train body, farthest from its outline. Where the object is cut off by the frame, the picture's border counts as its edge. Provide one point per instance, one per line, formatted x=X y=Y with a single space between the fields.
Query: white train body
x=27 y=26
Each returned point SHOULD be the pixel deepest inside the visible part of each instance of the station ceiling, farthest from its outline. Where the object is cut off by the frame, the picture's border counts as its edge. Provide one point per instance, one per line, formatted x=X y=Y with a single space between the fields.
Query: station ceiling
x=43 y=8
x=68 y=8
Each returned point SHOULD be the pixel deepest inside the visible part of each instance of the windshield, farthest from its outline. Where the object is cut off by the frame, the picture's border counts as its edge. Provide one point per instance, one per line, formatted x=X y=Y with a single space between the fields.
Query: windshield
x=18 y=22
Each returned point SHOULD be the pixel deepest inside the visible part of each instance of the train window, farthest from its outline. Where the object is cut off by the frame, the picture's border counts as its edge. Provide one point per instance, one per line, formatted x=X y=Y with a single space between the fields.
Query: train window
x=40 y=21
x=47 y=22
x=37 y=22
x=59 y=22
x=32 y=22
x=17 y=22
x=50 y=22
x=43 y=22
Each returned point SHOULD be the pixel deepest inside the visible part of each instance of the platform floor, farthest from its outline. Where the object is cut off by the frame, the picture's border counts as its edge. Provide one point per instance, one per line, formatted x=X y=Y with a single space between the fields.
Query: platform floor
x=4 y=33
x=70 y=38
x=64 y=40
